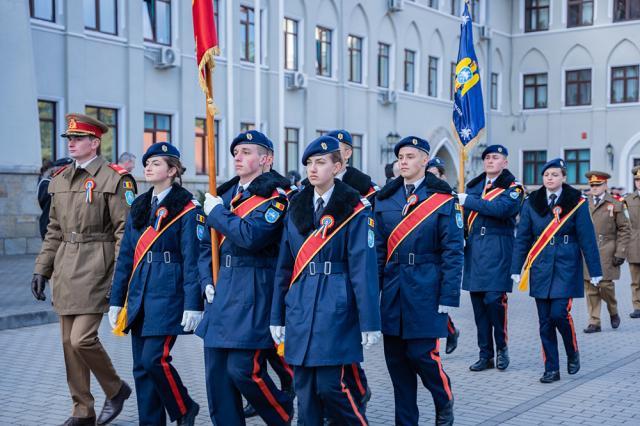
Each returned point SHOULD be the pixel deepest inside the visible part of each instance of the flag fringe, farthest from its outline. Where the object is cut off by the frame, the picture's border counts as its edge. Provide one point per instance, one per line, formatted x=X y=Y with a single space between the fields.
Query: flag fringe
x=469 y=146
x=208 y=59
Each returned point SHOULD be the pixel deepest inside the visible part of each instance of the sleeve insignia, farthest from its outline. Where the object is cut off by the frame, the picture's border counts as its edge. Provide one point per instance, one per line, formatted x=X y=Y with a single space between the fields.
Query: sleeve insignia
x=129 y=196
x=371 y=239
x=272 y=215
x=200 y=231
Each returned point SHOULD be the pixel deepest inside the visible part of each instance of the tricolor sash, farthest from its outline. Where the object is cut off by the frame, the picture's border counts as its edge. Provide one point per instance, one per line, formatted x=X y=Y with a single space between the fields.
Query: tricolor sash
x=314 y=243
x=549 y=232
x=413 y=219
x=249 y=205
x=146 y=240
x=488 y=196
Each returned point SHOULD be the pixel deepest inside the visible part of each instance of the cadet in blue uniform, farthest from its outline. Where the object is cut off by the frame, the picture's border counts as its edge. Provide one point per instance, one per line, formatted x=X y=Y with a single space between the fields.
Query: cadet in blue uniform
x=554 y=233
x=436 y=166
x=248 y=217
x=156 y=281
x=326 y=289
x=491 y=204
x=419 y=239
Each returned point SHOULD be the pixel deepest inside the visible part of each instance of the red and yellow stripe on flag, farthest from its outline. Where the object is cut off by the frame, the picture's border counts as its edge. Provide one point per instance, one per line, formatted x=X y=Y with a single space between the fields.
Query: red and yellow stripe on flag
x=206 y=38
x=542 y=241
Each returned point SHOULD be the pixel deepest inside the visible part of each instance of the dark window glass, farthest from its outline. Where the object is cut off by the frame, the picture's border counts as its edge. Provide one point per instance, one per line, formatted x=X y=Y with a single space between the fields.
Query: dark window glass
x=383 y=64
x=494 y=91
x=323 y=51
x=245 y=127
x=356 y=157
x=577 y=162
x=624 y=84
x=44 y=10
x=48 y=131
x=536 y=15
x=452 y=80
x=291 y=148
x=409 y=70
x=290 y=44
x=247 y=34
x=579 y=13
x=354 y=46
x=433 y=76
x=626 y=10
x=156 y=15
x=202 y=157
x=101 y=15
x=533 y=161
x=578 y=88
x=157 y=128
x=109 y=141
x=535 y=91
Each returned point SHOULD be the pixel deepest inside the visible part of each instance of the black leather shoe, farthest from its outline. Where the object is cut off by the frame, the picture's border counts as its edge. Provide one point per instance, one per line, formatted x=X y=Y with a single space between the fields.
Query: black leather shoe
x=444 y=416
x=452 y=342
x=635 y=313
x=615 y=321
x=249 y=411
x=550 y=377
x=573 y=363
x=591 y=328
x=189 y=419
x=482 y=364
x=502 y=359
x=113 y=407
x=80 y=421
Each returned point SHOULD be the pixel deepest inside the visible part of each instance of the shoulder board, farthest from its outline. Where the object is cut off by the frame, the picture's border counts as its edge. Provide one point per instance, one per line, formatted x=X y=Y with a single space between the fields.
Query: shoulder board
x=584 y=196
x=365 y=202
x=60 y=170
x=281 y=191
x=120 y=170
x=196 y=202
x=294 y=187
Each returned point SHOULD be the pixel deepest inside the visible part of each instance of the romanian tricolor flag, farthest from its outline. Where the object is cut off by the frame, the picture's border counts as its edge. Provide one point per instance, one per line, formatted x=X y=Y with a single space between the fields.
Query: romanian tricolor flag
x=206 y=38
x=468 y=108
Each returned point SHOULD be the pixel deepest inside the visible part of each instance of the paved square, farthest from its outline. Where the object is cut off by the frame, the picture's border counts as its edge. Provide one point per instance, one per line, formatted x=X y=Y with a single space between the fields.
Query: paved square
x=33 y=388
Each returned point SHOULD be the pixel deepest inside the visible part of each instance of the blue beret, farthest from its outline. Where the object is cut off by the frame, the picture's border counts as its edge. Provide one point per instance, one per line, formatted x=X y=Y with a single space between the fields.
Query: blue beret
x=164 y=149
x=320 y=146
x=557 y=163
x=413 y=141
x=498 y=149
x=342 y=135
x=435 y=162
x=252 y=137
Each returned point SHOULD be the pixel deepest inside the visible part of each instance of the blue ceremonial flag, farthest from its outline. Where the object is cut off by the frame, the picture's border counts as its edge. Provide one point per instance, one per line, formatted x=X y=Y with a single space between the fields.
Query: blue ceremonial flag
x=468 y=107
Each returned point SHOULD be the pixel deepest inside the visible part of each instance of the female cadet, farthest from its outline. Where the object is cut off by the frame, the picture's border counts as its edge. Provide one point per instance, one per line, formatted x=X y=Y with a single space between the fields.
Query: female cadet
x=326 y=288
x=554 y=233
x=156 y=292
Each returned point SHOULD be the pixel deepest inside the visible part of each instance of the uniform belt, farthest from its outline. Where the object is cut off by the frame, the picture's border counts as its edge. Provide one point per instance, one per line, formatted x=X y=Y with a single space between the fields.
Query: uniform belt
x=75 y=237
x=229 y=261
x=325 y=268
x=163 y=256
x=415 y=259
x=491 y=230
x=561 y=239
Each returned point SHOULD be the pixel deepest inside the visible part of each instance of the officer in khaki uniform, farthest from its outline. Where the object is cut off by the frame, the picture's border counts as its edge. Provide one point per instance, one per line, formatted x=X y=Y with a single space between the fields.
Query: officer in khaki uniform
x=89 y=206
x=633 y=251
x=613 y=232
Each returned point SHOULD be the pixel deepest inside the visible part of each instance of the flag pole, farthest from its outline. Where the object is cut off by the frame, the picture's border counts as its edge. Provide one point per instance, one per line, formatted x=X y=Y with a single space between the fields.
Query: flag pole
x=463 y=158
x=211 y=155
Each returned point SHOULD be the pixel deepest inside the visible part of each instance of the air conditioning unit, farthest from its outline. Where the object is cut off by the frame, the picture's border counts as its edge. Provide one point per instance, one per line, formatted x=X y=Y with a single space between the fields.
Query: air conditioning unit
x=295 y=80
x=395 y=5
x=388 y=97
x=166 y=57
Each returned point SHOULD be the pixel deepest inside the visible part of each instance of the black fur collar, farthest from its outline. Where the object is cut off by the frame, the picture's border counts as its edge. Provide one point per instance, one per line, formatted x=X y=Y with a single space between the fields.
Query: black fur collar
x=359 y=181
x=175 y=201
x=504 y=180
x=432 y=183
x=341 y=204
x=568 y=199
x=262 y=186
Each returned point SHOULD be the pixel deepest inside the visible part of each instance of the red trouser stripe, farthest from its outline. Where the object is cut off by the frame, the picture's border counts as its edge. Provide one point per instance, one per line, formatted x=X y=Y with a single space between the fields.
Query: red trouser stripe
x=356 y=375
x=345 y=390
x=286 y=366
x=573 y=329
x=265 y=390
x=167 y=372
x=450 y=326
x=435 y=355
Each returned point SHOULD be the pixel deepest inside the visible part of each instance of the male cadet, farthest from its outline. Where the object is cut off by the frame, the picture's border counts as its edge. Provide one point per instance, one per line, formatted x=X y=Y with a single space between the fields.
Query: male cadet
x=419 y=240
x=436 y=166
x=632 y=200
x=491 y=204
x=89 y=207
x=248 y=218
x=613 y=231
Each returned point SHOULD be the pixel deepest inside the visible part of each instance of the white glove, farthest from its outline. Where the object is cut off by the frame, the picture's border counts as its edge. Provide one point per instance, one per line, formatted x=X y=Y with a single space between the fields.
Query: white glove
x=114 y=311
x=191 y=319
x=444 y=309
x=595 y=281
x=209 y=292
x=277 y=333
x=370 y=338
x=462 y=197
x=210 y=202
x=515 y=278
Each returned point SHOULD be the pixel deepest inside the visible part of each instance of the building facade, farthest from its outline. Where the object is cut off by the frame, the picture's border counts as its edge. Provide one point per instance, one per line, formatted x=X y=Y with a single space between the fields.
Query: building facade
x=559 y=77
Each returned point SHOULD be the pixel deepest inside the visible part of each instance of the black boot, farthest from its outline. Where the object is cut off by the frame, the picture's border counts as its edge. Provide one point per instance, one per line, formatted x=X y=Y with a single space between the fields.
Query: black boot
x=635 y=313
x=615 y=321
x=444 y=415
x=80 y=421
x=113 y=407
x=452 y=341
x=592 y=328
x=502 y=359
x=573 y=363
x=189 y=419
x=482 y=364
x=550 y=377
